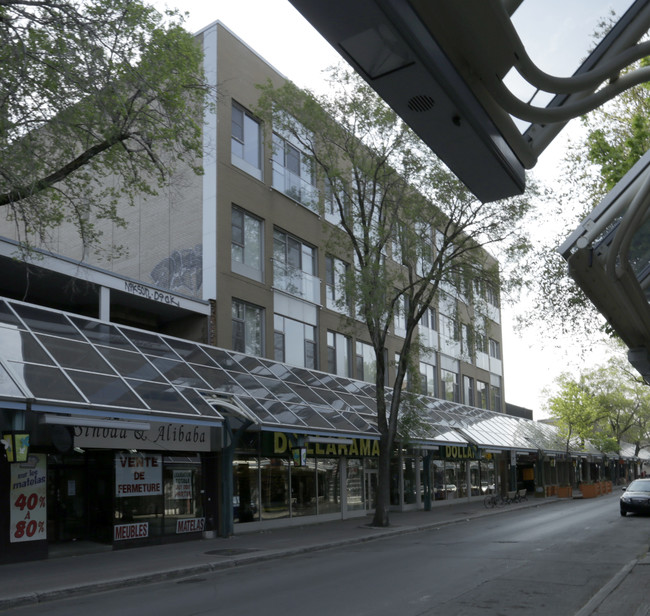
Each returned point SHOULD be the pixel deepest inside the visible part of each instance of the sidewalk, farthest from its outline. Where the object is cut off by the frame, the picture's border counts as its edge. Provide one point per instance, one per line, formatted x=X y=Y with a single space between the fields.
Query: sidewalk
x=54 y=578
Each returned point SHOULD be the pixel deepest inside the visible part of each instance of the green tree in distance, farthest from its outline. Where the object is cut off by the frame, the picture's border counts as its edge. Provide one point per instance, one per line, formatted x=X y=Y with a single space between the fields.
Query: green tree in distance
x=99 y=101
x=409 y=230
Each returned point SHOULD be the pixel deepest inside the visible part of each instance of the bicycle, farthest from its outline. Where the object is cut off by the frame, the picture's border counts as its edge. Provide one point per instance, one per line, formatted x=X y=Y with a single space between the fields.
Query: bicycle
x=493 y=500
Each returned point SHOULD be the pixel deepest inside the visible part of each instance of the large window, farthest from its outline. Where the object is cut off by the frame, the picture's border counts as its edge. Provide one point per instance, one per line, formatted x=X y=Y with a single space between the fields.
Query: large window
x=428 y=380
x=366 y=363
x=495 y=393
x=247 y=328
x=495 y=349
x=293 y=172
x=335 y=275
x=294 y=342
x=399 y=321
x=338 y=354
x=246 y=142
x=246 y=244
x=449 y=379
x=482 y=401
x=468 y=390
x=294 y=267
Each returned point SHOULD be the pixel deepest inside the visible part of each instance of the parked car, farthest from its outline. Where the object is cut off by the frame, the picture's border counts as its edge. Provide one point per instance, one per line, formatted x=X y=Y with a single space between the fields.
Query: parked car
x=636 y=497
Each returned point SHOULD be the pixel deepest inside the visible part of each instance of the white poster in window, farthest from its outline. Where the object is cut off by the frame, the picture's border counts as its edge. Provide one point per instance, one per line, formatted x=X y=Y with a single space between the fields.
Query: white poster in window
x=138 y=474
x=182 y=484
x=28 y=499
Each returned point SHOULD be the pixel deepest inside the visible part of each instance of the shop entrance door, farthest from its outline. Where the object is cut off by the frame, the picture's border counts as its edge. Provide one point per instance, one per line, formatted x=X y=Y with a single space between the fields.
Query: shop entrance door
x=370 y=488
x=79 y=498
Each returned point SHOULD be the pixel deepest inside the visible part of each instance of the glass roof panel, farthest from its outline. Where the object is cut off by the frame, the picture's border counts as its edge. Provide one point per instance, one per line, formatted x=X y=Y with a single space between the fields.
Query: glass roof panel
x=220 y=380
x=7 y=386
x=282 y=414
x=102 y=333
x=105 y=390
x=307 y=394
x=251 y=385
x=199 y=402
x=150 y=344
x=178 y=373
x=45 y=383
x=73 y=354
x=20 y=345
x=46 y=321
x=254 y=365
x=279 y=389
x=160 y=397
x=309 y=415
x=7 y=316
x=259 y=410
x=129 y=364
x=190 y=352
x=223 y=359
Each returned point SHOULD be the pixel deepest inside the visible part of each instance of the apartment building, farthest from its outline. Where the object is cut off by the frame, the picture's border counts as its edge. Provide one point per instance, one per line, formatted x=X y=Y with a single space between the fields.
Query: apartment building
x=226 y=297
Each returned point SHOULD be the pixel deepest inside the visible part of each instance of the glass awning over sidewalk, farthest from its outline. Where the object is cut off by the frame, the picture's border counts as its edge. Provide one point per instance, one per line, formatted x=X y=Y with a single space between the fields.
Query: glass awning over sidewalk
x=64 y=364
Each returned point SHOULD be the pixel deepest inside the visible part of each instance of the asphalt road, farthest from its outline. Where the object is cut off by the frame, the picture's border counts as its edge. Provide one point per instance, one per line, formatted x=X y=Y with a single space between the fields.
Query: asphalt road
x=547 y=561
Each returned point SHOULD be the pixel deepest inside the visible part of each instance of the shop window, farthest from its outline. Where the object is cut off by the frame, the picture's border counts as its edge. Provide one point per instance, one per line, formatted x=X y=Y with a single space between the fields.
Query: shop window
x=246 y=506
x=328 y=485
x=354 y=485
x=183 y=502
x=304 y=497
x=274 y=488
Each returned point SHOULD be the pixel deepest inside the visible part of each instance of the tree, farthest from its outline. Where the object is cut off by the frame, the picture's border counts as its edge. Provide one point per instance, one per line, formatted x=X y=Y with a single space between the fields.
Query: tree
x=605 y=405
x=99 y=101
x=410 y=230
x=612 y=140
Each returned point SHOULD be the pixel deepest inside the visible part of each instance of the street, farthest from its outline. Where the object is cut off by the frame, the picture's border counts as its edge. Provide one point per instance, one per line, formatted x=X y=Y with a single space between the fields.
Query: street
x=540 y=561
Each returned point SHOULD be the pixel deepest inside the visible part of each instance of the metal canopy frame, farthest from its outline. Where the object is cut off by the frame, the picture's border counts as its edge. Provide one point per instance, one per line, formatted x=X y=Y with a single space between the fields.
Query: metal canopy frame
x=440 y=64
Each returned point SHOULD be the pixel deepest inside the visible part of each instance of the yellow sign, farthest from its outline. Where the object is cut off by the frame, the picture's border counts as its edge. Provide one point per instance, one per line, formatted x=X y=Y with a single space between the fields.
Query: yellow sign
x=360 y=447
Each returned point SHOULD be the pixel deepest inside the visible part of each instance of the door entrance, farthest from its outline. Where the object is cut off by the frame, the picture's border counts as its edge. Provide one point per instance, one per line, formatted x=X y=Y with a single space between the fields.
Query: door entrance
x=79 y=497
x=370 y=488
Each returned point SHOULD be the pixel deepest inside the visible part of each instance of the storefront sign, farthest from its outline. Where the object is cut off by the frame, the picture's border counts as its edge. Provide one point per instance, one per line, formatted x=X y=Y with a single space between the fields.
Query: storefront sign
x=190 y=525
x=182 y=484
x=28 y=499
x=140 y=530
x=161 y=437
x=359 y=448
x=454 y=452
x=138 y=474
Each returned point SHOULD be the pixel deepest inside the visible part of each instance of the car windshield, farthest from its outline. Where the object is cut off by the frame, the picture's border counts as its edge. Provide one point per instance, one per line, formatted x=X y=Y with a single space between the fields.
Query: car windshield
x=639 y=486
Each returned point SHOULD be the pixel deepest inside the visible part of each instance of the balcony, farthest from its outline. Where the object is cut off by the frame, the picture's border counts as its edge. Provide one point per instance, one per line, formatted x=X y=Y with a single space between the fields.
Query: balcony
x=295 y=187
x=296 y=282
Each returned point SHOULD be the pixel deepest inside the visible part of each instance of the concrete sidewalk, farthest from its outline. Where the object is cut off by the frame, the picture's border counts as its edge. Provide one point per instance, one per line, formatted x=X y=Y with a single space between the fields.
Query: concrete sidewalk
x=44 y=580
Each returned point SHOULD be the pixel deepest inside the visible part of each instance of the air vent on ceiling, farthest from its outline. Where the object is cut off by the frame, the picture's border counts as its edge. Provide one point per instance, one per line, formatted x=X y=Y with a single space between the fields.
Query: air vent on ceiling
x=421 y=103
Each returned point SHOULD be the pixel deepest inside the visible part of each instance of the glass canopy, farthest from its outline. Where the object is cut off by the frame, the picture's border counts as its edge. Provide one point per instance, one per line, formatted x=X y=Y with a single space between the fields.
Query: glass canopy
x=63 y=362
x=609 y=258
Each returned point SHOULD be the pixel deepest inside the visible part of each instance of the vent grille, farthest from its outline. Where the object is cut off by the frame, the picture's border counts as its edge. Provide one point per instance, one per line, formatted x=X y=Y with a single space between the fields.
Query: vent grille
x=421 y=102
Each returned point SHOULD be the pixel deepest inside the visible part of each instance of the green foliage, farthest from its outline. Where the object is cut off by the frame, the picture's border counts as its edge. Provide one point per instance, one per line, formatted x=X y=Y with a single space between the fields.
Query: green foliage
x=407 y=226
x=605 y=405
x=100 y=101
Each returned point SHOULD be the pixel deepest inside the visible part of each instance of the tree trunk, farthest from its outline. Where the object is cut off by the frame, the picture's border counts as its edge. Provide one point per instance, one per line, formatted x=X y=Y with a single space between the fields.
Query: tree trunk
x=381 y=517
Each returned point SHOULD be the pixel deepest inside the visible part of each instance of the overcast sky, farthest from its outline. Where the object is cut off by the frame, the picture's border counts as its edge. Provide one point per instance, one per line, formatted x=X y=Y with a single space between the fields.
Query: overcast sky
x=275 y=30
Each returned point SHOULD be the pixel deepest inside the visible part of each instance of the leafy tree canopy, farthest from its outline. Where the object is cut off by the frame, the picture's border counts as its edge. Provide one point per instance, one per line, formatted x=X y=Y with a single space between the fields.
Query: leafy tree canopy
x=99 y=100
x=411 y=234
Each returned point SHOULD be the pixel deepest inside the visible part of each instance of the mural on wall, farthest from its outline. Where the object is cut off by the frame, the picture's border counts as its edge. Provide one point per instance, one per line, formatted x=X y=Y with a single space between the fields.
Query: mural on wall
x=181 y=272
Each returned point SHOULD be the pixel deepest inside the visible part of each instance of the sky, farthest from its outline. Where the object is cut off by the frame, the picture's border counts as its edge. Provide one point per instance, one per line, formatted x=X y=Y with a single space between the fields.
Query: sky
x=278 y=33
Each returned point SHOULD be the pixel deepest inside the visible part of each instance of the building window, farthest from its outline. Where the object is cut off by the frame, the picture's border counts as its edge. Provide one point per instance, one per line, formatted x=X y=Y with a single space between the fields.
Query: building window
x=294 y=342
x=246 y=142
x=335 y=278
x=495 y=349
x=246 y=244
x=399 y=321
x=492 y=296
x=449 y=382
x=467 y=348
x=338 y=354
x=294 y=267
x=247 y=328
x=428 y=380
x=294 y=173
x=468 y=390
x=495 y=393
x=366 y=364
x=482 y=401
